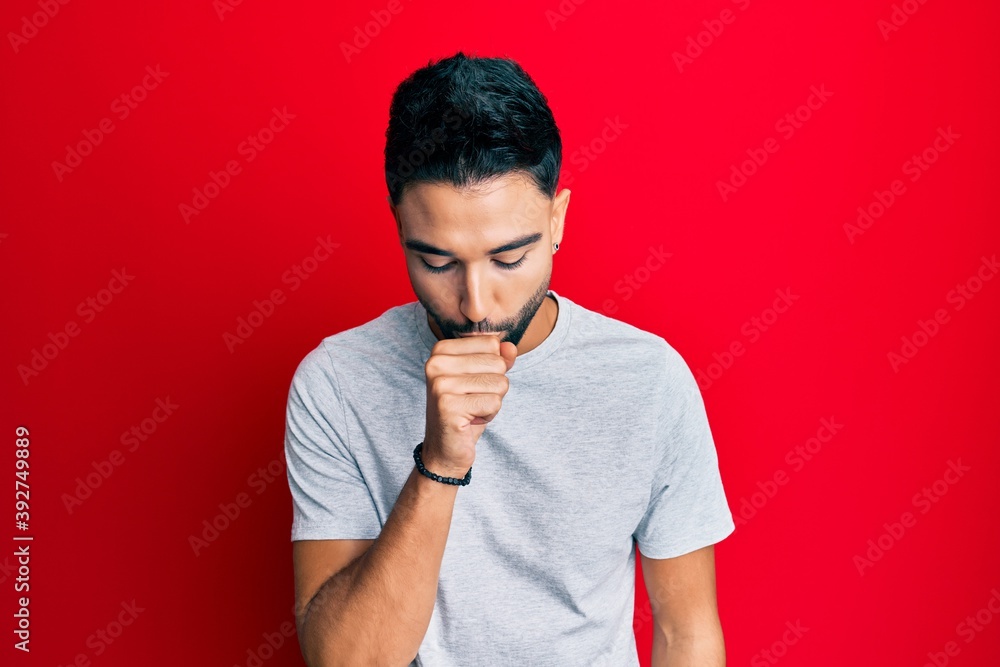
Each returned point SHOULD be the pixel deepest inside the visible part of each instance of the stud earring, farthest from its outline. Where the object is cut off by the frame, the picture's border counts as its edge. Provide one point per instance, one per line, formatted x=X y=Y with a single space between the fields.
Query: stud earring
x=555 y=246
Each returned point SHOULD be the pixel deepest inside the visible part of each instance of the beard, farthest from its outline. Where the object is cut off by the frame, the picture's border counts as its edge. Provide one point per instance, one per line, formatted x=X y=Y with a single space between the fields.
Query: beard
x=513 y=328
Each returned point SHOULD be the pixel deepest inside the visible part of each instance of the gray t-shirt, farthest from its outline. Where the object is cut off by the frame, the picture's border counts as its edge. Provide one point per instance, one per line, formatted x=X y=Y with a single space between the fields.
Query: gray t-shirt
x=602 y=442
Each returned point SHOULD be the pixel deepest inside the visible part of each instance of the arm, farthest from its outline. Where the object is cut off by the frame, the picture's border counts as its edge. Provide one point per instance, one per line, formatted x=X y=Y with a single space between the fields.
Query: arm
x=376 y=610
x=687 y=631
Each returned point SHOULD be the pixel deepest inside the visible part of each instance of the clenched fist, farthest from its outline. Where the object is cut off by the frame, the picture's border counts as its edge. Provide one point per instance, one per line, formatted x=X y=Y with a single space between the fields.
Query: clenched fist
x=466 y=383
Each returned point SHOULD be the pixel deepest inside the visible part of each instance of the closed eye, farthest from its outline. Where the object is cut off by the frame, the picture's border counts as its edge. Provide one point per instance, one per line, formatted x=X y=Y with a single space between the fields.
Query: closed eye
x=502 y=265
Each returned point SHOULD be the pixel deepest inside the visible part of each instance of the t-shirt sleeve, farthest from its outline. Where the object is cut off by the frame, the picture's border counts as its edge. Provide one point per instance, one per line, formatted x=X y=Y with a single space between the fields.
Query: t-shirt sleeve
x=687 y=508
x=330 y=499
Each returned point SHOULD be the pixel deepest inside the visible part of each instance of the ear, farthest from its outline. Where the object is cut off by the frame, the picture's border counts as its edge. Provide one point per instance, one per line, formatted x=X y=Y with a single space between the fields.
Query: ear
x=559 y=205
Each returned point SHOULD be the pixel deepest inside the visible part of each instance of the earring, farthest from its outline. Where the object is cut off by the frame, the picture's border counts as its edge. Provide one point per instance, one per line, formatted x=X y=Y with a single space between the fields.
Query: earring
x=555 y=246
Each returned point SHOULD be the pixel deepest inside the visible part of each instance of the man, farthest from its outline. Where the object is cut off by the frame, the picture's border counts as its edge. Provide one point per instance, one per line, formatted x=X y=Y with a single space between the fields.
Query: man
x=588 y=436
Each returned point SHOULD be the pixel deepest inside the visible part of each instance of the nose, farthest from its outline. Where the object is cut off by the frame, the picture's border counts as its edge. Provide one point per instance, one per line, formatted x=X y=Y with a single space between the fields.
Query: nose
x=477 y=304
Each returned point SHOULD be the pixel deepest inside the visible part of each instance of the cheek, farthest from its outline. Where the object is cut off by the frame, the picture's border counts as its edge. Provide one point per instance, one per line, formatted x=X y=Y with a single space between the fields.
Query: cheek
x=435 y=289
x=532 y=274
x=422 y=282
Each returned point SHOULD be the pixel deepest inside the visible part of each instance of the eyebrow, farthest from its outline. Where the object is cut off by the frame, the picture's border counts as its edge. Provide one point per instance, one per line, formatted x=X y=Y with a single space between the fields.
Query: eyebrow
x=519 y=242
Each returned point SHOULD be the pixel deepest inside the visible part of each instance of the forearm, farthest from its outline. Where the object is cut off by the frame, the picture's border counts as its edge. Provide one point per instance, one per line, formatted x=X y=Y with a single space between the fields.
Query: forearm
x=376 y=610
x=696 y=649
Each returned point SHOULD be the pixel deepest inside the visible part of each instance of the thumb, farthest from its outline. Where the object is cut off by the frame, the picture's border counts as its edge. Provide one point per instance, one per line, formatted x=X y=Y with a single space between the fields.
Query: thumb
x=509 y=352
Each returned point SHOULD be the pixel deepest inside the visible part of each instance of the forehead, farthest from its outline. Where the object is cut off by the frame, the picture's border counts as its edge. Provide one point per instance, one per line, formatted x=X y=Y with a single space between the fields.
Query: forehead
x=505 y=205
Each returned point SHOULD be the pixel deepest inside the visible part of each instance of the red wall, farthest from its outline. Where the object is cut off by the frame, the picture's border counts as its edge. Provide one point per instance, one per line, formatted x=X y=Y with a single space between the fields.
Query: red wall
x=839 y=422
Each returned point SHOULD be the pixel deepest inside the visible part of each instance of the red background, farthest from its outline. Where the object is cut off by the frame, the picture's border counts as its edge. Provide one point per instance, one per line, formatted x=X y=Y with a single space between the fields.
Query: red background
x=793 y=556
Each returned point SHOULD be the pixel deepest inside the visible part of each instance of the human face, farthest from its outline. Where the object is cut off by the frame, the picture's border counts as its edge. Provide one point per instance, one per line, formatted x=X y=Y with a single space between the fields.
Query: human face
x=480 y=259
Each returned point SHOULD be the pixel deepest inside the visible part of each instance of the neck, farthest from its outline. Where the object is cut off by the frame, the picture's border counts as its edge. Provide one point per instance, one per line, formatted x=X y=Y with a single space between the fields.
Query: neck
x=541 y=326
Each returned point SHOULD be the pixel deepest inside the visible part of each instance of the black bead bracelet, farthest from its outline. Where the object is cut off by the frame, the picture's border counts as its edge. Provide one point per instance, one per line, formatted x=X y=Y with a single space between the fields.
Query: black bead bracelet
x=438 y=478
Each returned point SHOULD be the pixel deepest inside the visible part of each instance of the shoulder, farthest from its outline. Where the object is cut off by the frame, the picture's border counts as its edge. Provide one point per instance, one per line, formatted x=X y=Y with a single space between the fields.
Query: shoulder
x=640 y=350
x=606 y=336
x=362 y=343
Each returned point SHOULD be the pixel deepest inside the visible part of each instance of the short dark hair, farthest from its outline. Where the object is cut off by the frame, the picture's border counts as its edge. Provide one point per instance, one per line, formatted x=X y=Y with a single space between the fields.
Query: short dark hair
x=466 y=120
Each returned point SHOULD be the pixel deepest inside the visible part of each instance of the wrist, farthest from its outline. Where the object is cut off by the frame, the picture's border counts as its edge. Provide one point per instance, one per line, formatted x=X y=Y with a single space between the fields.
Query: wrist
x=438 y=471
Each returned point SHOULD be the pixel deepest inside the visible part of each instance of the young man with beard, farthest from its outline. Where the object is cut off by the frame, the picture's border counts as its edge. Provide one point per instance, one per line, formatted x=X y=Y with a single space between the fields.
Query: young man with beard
x=588 y=436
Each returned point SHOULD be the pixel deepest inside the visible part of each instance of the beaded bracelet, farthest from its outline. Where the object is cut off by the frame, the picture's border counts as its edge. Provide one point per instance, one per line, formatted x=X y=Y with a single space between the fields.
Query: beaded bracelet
x=439 y=478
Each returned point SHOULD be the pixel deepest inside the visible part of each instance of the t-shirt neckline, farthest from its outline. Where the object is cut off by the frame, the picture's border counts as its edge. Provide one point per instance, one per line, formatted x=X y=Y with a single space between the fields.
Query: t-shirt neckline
x=524 y=361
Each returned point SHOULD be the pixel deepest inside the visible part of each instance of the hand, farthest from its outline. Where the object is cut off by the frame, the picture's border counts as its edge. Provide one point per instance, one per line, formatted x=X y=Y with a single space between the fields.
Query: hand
x=466 y=383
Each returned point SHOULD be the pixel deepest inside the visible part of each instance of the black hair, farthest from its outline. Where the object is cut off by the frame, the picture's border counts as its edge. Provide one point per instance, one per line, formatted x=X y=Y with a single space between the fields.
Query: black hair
x=466 y=120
